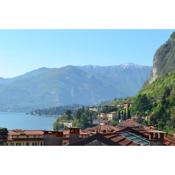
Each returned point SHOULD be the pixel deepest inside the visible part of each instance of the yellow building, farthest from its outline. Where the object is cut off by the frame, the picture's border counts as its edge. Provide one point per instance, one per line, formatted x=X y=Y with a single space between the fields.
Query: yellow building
x=108 y=116
x=111 y=116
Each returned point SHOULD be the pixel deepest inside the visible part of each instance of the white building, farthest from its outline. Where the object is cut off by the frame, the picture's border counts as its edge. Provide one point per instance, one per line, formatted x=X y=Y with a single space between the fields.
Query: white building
x=68 y=124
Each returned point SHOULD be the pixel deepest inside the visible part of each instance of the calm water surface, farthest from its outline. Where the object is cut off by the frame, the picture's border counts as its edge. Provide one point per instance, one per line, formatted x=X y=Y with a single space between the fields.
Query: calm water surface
x=12 y=120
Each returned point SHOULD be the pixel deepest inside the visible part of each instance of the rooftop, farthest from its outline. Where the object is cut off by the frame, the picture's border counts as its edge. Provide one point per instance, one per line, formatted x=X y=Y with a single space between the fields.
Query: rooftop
x=67 y=132
x=18 y=132
x=135 y=138
x=106 y=139
x=129 y=123
x=103 y=129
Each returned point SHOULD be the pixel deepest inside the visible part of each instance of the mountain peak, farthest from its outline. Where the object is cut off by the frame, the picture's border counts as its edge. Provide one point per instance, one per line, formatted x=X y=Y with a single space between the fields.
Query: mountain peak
x=172 y=36
x=128 y=65
x=41 y=69
x=164 y=59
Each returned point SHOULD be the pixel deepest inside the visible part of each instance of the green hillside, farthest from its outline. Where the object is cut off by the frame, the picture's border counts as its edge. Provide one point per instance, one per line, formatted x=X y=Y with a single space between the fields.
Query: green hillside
x=157 y=102
x=157 y=88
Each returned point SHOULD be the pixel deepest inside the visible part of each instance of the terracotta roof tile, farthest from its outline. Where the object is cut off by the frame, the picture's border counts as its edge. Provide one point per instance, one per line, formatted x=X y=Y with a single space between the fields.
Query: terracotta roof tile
x=82 y=132
x=129 y=123
x=169 y=141
x=103 y=129
x=25 y=132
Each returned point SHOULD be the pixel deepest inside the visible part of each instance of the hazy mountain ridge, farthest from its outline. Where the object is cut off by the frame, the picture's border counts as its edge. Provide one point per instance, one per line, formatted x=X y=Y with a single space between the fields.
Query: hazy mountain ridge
x=48 y=87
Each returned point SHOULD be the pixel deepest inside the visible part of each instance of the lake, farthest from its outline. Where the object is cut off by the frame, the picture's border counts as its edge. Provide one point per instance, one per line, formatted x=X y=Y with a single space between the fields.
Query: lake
x=13 y=120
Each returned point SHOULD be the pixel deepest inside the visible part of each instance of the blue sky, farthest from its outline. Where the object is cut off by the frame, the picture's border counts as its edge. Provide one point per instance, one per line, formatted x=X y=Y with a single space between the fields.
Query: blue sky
x=24 y=50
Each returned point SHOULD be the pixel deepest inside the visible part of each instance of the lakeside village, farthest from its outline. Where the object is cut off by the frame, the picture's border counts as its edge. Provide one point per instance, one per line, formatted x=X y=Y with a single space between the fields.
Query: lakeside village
x=107 y=128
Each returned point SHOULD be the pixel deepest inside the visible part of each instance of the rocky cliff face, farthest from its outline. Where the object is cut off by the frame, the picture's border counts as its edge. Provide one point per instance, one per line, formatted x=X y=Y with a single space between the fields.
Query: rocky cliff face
x=164 y=59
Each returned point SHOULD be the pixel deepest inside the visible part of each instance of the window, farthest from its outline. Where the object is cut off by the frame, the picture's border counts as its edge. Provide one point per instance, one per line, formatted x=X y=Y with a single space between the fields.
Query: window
x=135 y=138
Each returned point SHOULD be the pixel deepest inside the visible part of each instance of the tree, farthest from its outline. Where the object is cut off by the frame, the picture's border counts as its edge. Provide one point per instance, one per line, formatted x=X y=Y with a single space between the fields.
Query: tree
x=167 y=92
x=128 y=114
x=68 y=113
x=141 y=104
x=58 y=126
x=124 y=114
x=119 y=115
x=81 y=118
x=114 y=122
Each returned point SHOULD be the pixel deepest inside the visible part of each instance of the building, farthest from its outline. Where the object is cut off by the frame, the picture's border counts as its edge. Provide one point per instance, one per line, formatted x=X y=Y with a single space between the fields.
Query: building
x=108 y=116
x=110 y=135
x=169 y=141
x=41 y=138
x=112 y=116
x=129 y=123
x=128 y=133
x=67 y=124
x=102 y=116
x=112 y=139
x=96 y=122
x=53 y=138
x=73 y=134
x=94 y=109
x=20 y=137
x=123 y=137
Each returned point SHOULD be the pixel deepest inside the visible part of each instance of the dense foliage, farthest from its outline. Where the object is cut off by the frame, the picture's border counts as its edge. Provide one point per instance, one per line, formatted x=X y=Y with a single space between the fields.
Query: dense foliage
x=123 y=113
x=157 y=102
x=81 y=118
x=121 y=101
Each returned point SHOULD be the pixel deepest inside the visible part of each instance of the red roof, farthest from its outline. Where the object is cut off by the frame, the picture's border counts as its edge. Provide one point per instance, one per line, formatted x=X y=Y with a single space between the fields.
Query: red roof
x=120 y=140
x=25 y=132
x=25 y=140
x=169 y=141
x=103 y=129
x=129 y=123
x=107 y=139
x=82 y=132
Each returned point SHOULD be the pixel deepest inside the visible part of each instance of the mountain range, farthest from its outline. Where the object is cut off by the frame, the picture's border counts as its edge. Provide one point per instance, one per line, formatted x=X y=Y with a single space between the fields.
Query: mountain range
x=84 y=85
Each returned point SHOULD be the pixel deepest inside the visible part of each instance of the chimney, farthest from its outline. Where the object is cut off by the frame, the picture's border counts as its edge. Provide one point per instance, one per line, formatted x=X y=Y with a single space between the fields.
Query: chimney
x=156 y=137
x=53 y=138
x=74 y=135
